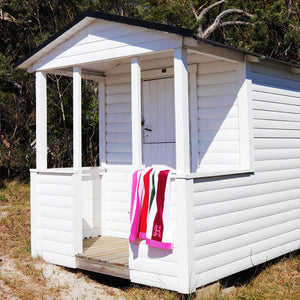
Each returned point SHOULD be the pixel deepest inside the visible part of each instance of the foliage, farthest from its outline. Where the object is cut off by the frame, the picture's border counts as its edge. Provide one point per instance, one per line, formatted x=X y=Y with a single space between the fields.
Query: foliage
x=274 y=31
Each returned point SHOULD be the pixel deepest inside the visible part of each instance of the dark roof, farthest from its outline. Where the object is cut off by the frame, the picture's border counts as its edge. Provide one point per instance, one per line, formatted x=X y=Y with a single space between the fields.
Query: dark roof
x=261 y=56
x=146 y=24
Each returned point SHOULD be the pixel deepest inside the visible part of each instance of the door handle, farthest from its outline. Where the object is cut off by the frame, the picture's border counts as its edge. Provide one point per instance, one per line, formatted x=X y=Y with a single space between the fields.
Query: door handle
x=147 y=129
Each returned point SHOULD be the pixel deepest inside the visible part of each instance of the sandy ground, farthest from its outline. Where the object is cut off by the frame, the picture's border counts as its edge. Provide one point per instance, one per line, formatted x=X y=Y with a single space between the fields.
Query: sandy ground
x=71 y=284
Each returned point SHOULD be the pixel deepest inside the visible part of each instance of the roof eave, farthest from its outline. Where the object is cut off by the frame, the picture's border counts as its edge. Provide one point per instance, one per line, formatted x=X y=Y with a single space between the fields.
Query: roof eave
x=88 y=17
x=245 y=52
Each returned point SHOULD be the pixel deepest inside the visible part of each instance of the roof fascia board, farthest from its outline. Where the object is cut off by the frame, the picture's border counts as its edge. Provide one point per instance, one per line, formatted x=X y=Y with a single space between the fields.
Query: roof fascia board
x=141 y=23
x=253 y=59
x=213 y=51
x=295 y=70
x=28 y=61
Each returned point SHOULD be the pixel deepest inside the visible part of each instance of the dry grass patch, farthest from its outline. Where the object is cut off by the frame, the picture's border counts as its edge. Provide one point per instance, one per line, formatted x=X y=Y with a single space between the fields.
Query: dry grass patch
x=27 y=282
x=135 y=291
x=279 y=279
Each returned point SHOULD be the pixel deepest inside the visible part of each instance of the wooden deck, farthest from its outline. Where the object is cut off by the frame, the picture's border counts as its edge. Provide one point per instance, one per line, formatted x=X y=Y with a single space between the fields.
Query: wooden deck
x=106 y=255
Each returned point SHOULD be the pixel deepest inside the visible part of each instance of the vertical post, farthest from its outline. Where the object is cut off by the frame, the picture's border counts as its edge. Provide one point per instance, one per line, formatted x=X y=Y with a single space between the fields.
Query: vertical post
x=193 y=111
x=246 y=135
x=102 y=123
x=181 y=110
x=136 y=112
x=77 y=160
x=41 y=120
x=185 y=231
x=34 y=217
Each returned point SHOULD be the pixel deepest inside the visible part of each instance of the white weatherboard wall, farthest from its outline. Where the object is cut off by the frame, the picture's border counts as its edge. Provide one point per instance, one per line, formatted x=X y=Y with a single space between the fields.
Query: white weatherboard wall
x=157 y=267
x=91 y=202
x=66 y=207
x=118 y=153
x=242 y=221
x=218 y=120
x=56 y=224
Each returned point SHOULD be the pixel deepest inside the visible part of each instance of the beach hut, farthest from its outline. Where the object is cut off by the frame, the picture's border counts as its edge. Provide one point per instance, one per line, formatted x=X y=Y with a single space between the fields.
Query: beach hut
x=226 y=122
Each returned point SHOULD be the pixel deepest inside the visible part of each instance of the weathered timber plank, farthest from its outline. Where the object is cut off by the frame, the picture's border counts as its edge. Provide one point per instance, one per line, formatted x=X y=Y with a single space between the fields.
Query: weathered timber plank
x=114 y=256
x=103 y=247
x=102 y=267
x=105 y=252
x=107 y=255
x=103 y=242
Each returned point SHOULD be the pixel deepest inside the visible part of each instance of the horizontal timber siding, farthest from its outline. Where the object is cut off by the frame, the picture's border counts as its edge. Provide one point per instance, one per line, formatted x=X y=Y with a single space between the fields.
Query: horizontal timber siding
x=118 y=119
x=91 y=202
x=115 y=216
x=55 y=218
x=241 y=221
x=218 y=123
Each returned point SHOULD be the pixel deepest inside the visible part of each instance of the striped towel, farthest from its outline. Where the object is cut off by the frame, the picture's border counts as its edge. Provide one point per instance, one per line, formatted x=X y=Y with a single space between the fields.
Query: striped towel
x=159 y=224
x=150 y=207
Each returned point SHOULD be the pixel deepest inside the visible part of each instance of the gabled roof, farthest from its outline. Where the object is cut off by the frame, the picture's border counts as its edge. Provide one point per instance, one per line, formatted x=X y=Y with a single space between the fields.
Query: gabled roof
x=89 y=16
x=108 y=17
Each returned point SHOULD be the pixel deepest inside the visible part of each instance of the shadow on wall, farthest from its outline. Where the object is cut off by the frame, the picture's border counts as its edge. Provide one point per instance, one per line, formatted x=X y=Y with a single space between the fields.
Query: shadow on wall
x=152 y=252
x=218 y=119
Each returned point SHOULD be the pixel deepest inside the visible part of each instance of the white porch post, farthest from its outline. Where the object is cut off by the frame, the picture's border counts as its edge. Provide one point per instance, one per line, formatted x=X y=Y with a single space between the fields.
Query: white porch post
x=181 y=91
x=77 y=160
x=136 y=112
x=102 y=124
x=41 y=120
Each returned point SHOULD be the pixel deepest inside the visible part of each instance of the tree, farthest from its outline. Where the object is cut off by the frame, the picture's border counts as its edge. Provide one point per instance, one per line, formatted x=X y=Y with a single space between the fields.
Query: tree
x=201 y=13
x=266 y=27
x=24 y=25
x=276 y=31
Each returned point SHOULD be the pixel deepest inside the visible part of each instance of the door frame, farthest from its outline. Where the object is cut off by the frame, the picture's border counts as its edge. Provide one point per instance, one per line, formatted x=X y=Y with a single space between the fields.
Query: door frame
x=166 y=72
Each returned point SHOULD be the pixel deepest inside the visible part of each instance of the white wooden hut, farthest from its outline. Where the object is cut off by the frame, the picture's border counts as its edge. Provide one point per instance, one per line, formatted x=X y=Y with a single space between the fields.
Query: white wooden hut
x=226 y=121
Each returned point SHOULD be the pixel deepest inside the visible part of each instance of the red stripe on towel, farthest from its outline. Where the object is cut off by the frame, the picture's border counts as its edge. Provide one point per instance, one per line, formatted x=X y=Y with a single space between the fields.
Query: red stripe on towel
x=144 y=213
x=158 y=224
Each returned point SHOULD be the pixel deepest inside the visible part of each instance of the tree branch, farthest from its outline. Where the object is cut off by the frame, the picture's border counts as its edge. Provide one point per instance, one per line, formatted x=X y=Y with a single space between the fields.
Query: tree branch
x=295 y=27
x=6 y=16
x=218 y=21
x=289 y=8
x=232 y=23
x=231 y=11
x=207 y=9
x=203 y=13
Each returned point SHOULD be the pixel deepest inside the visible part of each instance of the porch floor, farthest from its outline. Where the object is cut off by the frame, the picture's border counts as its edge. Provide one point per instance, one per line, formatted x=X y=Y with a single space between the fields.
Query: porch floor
x=106 y=255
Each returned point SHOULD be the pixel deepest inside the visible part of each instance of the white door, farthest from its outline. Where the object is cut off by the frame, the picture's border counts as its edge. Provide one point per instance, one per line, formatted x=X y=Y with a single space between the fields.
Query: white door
x=158 y=125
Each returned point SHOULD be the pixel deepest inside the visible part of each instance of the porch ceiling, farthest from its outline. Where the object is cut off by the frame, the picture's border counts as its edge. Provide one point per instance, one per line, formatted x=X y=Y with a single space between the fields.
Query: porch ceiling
x=163 y=59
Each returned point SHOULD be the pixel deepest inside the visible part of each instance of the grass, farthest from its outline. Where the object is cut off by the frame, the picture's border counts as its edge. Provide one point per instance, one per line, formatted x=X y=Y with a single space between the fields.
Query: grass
x=15 y=243
x=278 y=279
